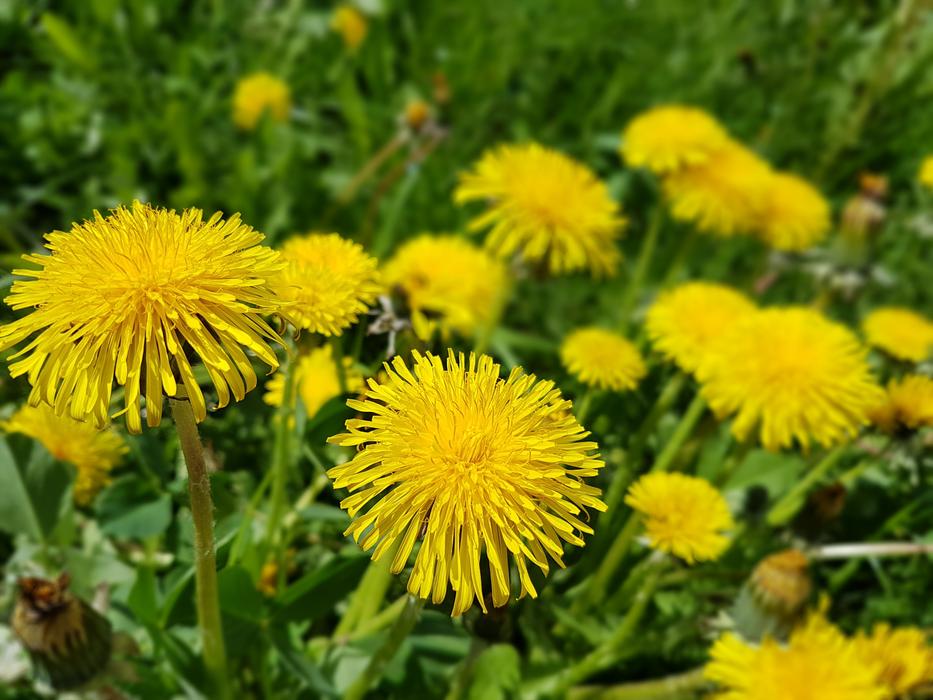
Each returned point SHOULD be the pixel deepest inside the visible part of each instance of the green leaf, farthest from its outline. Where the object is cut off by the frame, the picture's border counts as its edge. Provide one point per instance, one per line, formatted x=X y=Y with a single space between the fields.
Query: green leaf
x=63 y=38
x=143 y=599
x=130 y=509
x=16 y=512
x=299 y=664
x=496 y=673
x=31 y=495
x=238 y=594
x=315 y=594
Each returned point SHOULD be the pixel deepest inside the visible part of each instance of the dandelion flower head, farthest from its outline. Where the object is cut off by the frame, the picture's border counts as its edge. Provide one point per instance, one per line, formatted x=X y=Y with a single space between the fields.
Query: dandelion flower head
x=466 y=462
x=316 y=380
x=450 y=278
x=684 y=515
x=669 y=137
x=602 y=359
x=94 y=453
x=791 y=374
x=258 y=94
x=546 y=207
x=327 y=283
x=902 y=656
x=351 y=25
x=684 y=322
x=817 y=663
x=126 y=296
x=900 y=332
x=907 y=403
x=724 y=195
x=794 y=215
x=925 y=176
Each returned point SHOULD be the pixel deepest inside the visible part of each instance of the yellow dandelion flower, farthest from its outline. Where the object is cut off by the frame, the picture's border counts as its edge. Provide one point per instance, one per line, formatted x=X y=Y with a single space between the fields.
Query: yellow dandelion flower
x=684 y=515
x=452 y=279
x=902 y=333
x=817 y=663
x=466 y=461
x=351 y=25
x=327 y=283
x=670 y=137
x=907 y=403
x=925 y=175
x=792 y=374
x=258 y=94
x=126 y=296
x=794 y=215
x=546 y=207
x=316 y=380
x=94 y=453
x=902 y=657
x=602 y=359
x=684 y=322
x=724 y=195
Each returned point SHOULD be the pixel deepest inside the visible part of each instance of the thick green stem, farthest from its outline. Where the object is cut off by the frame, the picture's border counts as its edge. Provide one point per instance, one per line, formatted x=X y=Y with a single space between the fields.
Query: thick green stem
x=733 y=461
x=675 y=686
x=683 y=431
x=336 y=343
x=281 y=463
x=687 y=242
x=384 y=654
x=609 y=652
x=637 y=280
x=584 y=404
x=369 y=594
x=787 y=507
x=205 y=564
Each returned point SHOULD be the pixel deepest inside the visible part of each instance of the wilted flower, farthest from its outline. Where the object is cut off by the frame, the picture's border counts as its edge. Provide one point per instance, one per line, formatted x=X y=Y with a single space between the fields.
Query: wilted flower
x=684 y=322
x=791 y=374
x=900 y=332
x=670 y=137
x=327 y=283
x=546 y=207
x=908 y=403
x=450 y=279
x=684 y=515
x=127 y=296
x=817 y=663
x=602 y=359
x=258 y=94
x=351 y=24
x=781 y=581
x=94 y=453
x=465 y=461
x=316 y=380
x=794 y=215
x=902 y=657
x=724 y=195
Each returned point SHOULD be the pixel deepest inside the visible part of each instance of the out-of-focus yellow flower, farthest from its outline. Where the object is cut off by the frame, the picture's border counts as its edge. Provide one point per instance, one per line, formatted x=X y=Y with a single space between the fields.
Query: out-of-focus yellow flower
x=902 y=656
x=670 y=137
x=316 y=380
x=723 y=195
x=602 y=359
x=546 y=207
x=684 y=515
x=258 y=94
x=684 y=322
x=900 y=332
x=791 y=374
x=908 y=403
x=794 y=215
x=416 y=114
x=467 y=462
x=327 y=283
x=128 y=296
x=925 y=176
x=94 y=453
x=817 y=663
x=351 y=24
x=451 y=279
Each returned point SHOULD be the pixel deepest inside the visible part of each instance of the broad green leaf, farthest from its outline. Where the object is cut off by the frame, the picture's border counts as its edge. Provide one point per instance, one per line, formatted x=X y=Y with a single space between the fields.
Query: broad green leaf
x=496 y=673
x=318 y=592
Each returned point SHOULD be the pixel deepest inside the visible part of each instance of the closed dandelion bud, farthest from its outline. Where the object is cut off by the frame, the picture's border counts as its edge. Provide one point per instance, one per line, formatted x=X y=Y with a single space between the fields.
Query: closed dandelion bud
x=68 y=641
x=416 y=115
x=781 y=581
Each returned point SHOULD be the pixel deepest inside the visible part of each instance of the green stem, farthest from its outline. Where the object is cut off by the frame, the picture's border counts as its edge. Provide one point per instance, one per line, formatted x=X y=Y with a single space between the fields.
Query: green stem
x=336 y=343
x=205 y=564
x=369 y=594
x=687 y=242
x=733 y=461
x=683 y=430
x=281 y=461
x=584 y=404
x=675 y=686
x=609 y=652
x=645 y=254
x=787 y=507
x=598 y=586
x=403 y=626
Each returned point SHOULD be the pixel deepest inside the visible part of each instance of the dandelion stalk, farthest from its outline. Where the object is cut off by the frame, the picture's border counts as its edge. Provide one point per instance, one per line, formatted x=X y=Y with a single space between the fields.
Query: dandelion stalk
x=870 y=549
x=403 y=626
x=369 y=594
x=202 y=512
x=787 y=507
x=640 y=272
x=675 y=686
x=281 y=461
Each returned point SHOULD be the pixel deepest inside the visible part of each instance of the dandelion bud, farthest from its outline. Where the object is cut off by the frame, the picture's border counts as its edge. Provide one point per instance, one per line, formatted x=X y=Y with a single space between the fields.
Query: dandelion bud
x=781 y=581
x=68 y=641
x=416 y=115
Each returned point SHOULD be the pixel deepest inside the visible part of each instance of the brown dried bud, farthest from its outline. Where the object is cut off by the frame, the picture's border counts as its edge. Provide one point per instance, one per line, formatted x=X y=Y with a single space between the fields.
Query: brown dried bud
x=781 y=581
